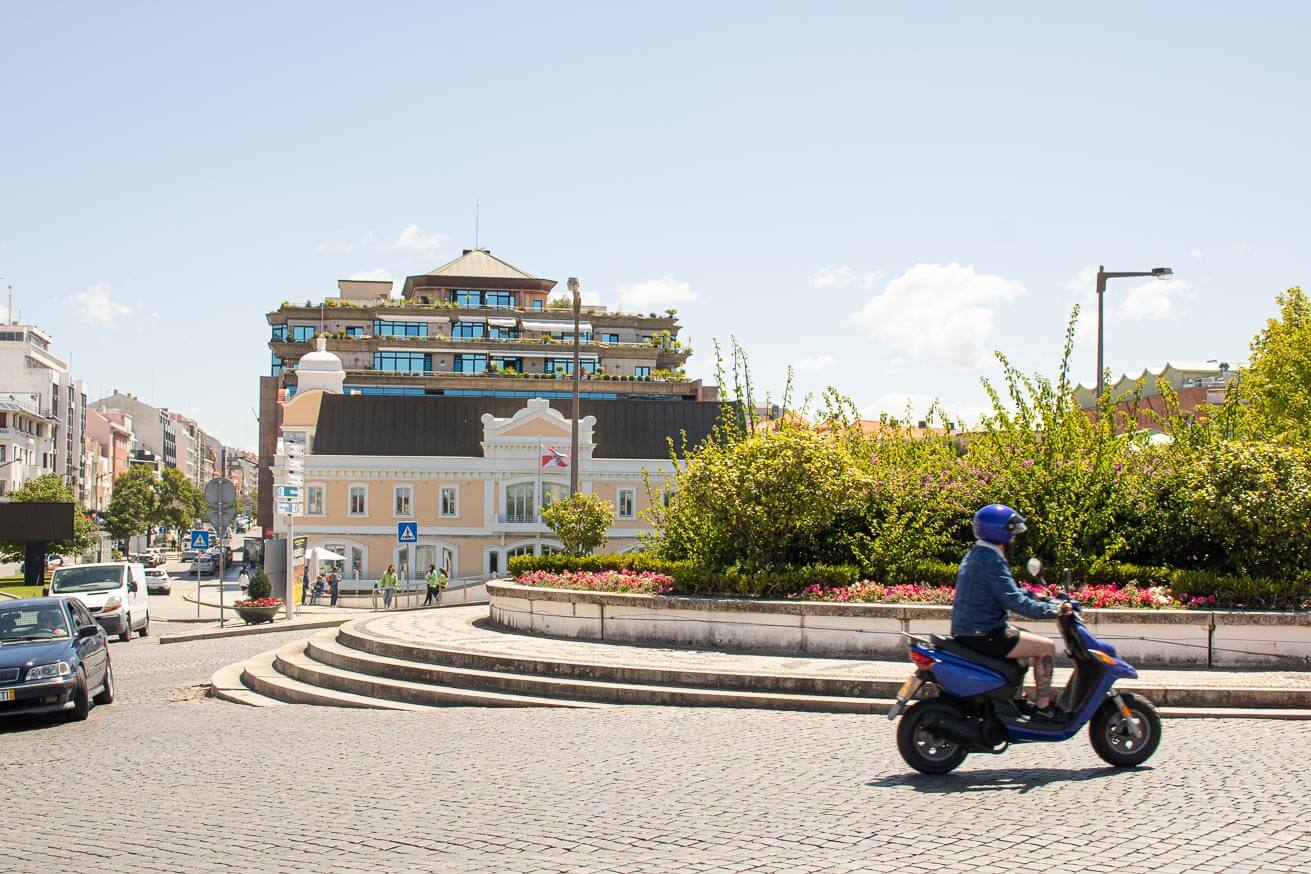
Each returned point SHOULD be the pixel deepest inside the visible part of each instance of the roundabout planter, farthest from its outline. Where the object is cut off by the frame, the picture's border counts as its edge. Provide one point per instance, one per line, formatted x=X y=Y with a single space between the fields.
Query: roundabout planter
x=258 y=615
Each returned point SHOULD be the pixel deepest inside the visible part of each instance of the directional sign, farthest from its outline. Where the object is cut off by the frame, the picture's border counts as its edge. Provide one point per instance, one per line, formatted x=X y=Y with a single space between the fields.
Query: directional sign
x=200 y=540
x=293 y=449
x=290 y=508
x=287 y=493
x=295 y=464
x=407 y=532
x=294 y=479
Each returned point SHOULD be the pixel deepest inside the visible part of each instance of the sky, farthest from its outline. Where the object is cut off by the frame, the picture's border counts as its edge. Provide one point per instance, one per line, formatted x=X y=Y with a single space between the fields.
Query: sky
x=877 y=195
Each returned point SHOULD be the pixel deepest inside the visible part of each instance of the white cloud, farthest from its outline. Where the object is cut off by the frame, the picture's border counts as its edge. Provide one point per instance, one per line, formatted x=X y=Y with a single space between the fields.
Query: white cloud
x=939 y=311
x=1085 y=280
x=914 y=408
x=96 y=305
x=377 y=274
x=412 y=238
x=841 y=277
x=1152 y=300
x=655 y=294
x=1196 y=253
x=336 y=246
x=812 y=363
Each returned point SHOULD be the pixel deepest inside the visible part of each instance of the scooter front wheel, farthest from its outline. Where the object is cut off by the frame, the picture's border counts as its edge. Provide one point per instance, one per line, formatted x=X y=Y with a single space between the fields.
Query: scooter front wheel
x=1112 y=733
x=923 y=750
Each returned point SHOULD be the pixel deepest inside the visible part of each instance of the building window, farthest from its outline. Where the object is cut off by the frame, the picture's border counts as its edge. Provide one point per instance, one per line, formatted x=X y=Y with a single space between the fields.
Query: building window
x=465 y=297
x=626 y=504
x=498 y=300
x=301 y=333
x=359 y=501
x=503 y=364
x=467 y=330
x=279 y=332
x=355 y=331
x=493 y=562
x=526 y=549
x=641 y=370
x=403 y=503
x=537 y=304
x=314 y=501
x=565 y=366
x=450 y=501
x=610 y=338
x=383 y=328
x=403 y=362
x=276 y=368
x=498 y=332
x=470 y=363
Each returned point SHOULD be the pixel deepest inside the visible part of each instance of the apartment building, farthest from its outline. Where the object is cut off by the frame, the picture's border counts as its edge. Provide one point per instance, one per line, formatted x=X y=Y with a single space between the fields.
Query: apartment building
x=44 y=409
x=476 y=327
x=1195 y=384
x=243 y=471
x=472 y=473
x=109 y=450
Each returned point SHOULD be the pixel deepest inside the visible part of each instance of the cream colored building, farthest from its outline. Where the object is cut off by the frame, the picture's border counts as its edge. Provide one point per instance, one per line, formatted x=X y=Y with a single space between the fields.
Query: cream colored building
x=473 y=480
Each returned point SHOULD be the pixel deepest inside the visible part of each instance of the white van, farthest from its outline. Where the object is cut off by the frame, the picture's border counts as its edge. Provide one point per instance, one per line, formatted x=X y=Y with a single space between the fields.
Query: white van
x=114 y=592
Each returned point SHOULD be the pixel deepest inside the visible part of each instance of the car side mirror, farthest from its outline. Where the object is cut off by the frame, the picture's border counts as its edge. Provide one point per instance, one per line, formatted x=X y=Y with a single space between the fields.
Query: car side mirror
x=1034 y=567
x=88 y=630
x=131 y=587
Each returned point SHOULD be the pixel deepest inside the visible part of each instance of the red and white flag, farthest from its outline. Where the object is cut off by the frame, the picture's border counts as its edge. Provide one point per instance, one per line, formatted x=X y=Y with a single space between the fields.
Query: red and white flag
x=552 y=457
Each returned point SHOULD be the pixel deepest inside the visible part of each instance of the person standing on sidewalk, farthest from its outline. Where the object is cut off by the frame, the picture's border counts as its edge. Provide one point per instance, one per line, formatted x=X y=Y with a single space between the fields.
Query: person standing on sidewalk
x=388 y=586
x=334 y=586
x=304 y=585
x=433 y=592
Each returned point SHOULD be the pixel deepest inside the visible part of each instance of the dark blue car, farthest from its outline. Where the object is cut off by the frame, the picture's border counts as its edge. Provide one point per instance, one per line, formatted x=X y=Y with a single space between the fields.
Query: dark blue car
x=54 y=658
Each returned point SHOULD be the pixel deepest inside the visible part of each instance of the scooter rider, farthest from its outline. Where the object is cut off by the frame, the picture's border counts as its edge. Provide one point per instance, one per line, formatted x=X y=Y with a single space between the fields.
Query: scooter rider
x=986 y=592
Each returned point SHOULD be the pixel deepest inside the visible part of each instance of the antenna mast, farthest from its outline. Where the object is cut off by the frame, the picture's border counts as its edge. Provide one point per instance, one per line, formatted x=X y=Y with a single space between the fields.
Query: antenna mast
x=476 y=217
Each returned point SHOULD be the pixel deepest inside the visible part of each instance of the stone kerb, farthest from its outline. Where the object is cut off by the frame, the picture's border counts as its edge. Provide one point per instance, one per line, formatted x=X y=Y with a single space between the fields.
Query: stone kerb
x=1149 y=638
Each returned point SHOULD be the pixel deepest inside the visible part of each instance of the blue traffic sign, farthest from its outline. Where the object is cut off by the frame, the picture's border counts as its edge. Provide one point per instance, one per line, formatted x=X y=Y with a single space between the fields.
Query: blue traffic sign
x=200 y=540
x=407 y=532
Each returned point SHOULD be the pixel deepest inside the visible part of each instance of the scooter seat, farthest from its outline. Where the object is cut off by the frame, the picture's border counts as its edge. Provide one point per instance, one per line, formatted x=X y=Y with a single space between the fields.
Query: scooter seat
x=1008 y=668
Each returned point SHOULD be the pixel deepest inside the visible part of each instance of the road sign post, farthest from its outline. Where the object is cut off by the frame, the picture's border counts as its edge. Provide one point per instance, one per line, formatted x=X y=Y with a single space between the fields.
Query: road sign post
x=221 y=496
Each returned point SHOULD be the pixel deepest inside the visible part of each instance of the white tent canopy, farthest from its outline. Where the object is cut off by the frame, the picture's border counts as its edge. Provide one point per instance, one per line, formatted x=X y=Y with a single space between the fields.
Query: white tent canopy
x=318 y=553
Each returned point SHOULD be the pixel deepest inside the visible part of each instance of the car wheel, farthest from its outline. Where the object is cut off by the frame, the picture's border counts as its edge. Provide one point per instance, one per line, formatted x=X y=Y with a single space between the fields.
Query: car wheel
x=126 y=634
x=81 y=700
x=144 y=631
x=106 y=695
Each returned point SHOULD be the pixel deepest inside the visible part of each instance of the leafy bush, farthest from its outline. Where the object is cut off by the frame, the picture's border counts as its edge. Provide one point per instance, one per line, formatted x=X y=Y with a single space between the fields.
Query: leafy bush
x=259 y=587
x=580 y=521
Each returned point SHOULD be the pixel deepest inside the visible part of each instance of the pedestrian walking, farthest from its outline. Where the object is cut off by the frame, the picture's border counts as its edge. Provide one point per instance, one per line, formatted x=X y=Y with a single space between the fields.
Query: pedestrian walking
x=243 y=579
x=304 y=585
x=334 y=586
x=388 y=585
x=431 y=580
x=318 y=591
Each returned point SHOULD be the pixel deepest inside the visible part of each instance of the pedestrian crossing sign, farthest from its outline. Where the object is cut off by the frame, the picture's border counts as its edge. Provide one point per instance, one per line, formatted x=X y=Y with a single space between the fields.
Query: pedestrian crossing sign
x=407 y=532
x=200 y=540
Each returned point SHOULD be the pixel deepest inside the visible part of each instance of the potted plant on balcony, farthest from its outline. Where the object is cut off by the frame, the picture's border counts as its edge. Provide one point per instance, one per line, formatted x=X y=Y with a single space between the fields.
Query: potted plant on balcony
x=259 y=605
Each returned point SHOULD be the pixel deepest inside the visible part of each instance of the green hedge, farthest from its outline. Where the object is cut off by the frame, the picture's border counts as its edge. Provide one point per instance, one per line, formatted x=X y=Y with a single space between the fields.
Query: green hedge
x=1229 y=591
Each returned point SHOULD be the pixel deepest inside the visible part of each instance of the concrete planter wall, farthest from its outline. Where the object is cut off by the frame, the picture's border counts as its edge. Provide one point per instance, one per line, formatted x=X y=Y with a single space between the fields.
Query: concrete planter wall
x=1148 y=638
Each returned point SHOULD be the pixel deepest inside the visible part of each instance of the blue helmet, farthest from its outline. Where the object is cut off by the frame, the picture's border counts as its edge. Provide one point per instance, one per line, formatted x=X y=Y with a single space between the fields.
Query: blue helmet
x=998 y=523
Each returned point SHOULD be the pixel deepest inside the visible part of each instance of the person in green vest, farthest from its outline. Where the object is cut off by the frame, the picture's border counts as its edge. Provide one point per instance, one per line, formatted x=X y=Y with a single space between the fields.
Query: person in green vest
x=434 y=592
x=388 y=586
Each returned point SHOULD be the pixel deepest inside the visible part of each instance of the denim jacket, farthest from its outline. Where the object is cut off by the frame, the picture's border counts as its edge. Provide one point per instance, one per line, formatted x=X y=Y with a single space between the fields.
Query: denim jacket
x=986 y=591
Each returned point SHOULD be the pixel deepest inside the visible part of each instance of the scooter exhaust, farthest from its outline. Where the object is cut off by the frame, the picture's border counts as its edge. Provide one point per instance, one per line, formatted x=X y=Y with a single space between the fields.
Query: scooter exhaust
x=953 y=728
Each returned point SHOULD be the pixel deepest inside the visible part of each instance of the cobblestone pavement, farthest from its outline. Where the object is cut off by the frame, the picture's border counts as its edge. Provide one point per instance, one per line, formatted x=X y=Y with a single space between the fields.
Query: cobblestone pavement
x=165 y=780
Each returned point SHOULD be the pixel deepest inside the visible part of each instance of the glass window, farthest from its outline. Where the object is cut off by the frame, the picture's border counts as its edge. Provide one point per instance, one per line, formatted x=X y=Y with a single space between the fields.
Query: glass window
x=301 y=333
x=609 y=338
x=470 y=363
x=627 y=503
x=403 y=505
x=450 y=501
x=382 y=328
x=276 y=368
x=641 y=370
x=552 y=492
x=493 y=562
x=358 y=501
x=279 y=332
x=526 y=549
x=314 y=501
x=355 y=331
x=499 y=299
x=565 y=366
x=548 y=549
x=335 y=565
x=357 y=562
x=468 y=298
x=514 y=365
x=466 y=330
x=519 y=503
x=497 y=332
x=537 y=304
x=403 y=362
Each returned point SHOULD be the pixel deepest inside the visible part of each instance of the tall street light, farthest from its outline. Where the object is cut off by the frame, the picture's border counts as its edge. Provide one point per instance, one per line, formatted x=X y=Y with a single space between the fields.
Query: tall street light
x=1102 y=276
x=573 y=430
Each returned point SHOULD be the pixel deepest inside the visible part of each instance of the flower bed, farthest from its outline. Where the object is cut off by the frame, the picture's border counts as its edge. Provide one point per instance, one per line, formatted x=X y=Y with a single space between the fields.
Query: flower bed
x=623 y=582
x=260 y=602
x=1101 y=597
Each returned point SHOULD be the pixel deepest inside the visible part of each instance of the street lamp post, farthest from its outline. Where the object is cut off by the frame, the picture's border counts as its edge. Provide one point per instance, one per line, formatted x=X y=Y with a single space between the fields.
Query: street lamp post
x=573 y=430
x=1102 y=276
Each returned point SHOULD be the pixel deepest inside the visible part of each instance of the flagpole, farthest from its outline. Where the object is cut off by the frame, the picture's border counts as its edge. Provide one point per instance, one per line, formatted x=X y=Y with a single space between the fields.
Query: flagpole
x=573 y=427
x=537 y=498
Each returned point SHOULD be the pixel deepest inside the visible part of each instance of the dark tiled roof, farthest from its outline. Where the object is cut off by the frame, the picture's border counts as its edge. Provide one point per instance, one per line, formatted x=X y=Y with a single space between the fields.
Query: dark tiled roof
x=452 y=426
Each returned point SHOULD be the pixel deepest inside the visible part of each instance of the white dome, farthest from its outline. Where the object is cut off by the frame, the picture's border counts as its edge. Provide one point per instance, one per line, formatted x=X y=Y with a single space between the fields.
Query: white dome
x=320 y=369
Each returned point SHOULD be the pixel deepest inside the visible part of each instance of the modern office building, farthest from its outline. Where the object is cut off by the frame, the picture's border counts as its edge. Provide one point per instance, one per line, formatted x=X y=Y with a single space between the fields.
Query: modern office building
x=153 y=429
x=476 y=327
x=44 y=406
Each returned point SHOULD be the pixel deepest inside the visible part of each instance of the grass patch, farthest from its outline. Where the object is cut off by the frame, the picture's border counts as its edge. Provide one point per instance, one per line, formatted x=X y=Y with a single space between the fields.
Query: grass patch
x=22 y=591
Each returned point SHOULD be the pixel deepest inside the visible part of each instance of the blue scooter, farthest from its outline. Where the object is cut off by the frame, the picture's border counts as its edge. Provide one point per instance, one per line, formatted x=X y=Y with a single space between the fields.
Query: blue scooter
x=967 y=701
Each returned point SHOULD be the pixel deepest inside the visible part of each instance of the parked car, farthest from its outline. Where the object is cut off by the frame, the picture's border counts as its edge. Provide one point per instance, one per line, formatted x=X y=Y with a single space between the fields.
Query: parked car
x=152 y=557
x=205 y=563
x=114 y=592
x=190 y=554
x=158 y=582
x=54 y=658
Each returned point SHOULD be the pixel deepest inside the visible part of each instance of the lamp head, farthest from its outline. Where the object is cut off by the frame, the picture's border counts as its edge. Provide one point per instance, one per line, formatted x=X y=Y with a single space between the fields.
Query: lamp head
x=1162 y=272
x=573 y=284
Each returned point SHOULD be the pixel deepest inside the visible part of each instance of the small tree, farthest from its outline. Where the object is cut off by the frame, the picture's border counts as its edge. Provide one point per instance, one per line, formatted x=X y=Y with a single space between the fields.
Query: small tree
x=180 y=502
x=132 y=506
x=580 y=522
x=50 y=488
x=259 y=586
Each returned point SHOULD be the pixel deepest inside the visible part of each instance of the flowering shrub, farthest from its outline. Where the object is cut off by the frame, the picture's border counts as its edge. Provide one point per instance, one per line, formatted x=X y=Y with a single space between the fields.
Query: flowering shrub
x=625 y=582
x=260 y=602
x=1100 y=596
x=1111 y=595
x=875 y=593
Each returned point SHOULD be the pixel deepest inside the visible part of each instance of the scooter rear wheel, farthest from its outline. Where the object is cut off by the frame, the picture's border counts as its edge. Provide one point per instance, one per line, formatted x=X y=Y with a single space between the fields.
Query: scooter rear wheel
x=1111 y=737
x=922 y=750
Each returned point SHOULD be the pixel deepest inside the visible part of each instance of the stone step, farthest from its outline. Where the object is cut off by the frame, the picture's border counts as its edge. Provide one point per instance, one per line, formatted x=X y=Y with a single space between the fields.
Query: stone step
x=260 y=674
x=325 y=649
x=226 y=685
x=355 y=636
x=296 y=663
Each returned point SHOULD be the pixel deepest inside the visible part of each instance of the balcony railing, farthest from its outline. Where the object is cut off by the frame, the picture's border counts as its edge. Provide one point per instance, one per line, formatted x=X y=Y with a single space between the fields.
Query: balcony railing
x=529 y=518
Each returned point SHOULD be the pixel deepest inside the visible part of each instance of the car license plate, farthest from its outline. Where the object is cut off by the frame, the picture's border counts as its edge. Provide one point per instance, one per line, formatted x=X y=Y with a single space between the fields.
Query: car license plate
x=6 y=694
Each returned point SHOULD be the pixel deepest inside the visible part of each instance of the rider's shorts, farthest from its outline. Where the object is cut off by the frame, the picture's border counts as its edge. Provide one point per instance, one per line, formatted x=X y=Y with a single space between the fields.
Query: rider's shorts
x=995 y=644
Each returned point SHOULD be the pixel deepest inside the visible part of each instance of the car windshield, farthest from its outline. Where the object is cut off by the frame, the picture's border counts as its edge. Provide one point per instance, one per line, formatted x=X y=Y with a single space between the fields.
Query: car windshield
x=33 y=623
x=87 y=578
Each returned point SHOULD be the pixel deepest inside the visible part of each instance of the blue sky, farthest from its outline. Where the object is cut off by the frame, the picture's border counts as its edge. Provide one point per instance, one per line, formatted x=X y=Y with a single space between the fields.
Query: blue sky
x=878 y=194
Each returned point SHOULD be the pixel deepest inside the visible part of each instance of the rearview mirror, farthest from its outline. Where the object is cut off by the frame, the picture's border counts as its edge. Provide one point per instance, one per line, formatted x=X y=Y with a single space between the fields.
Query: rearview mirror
x=1034 y=567
x=131 y=586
